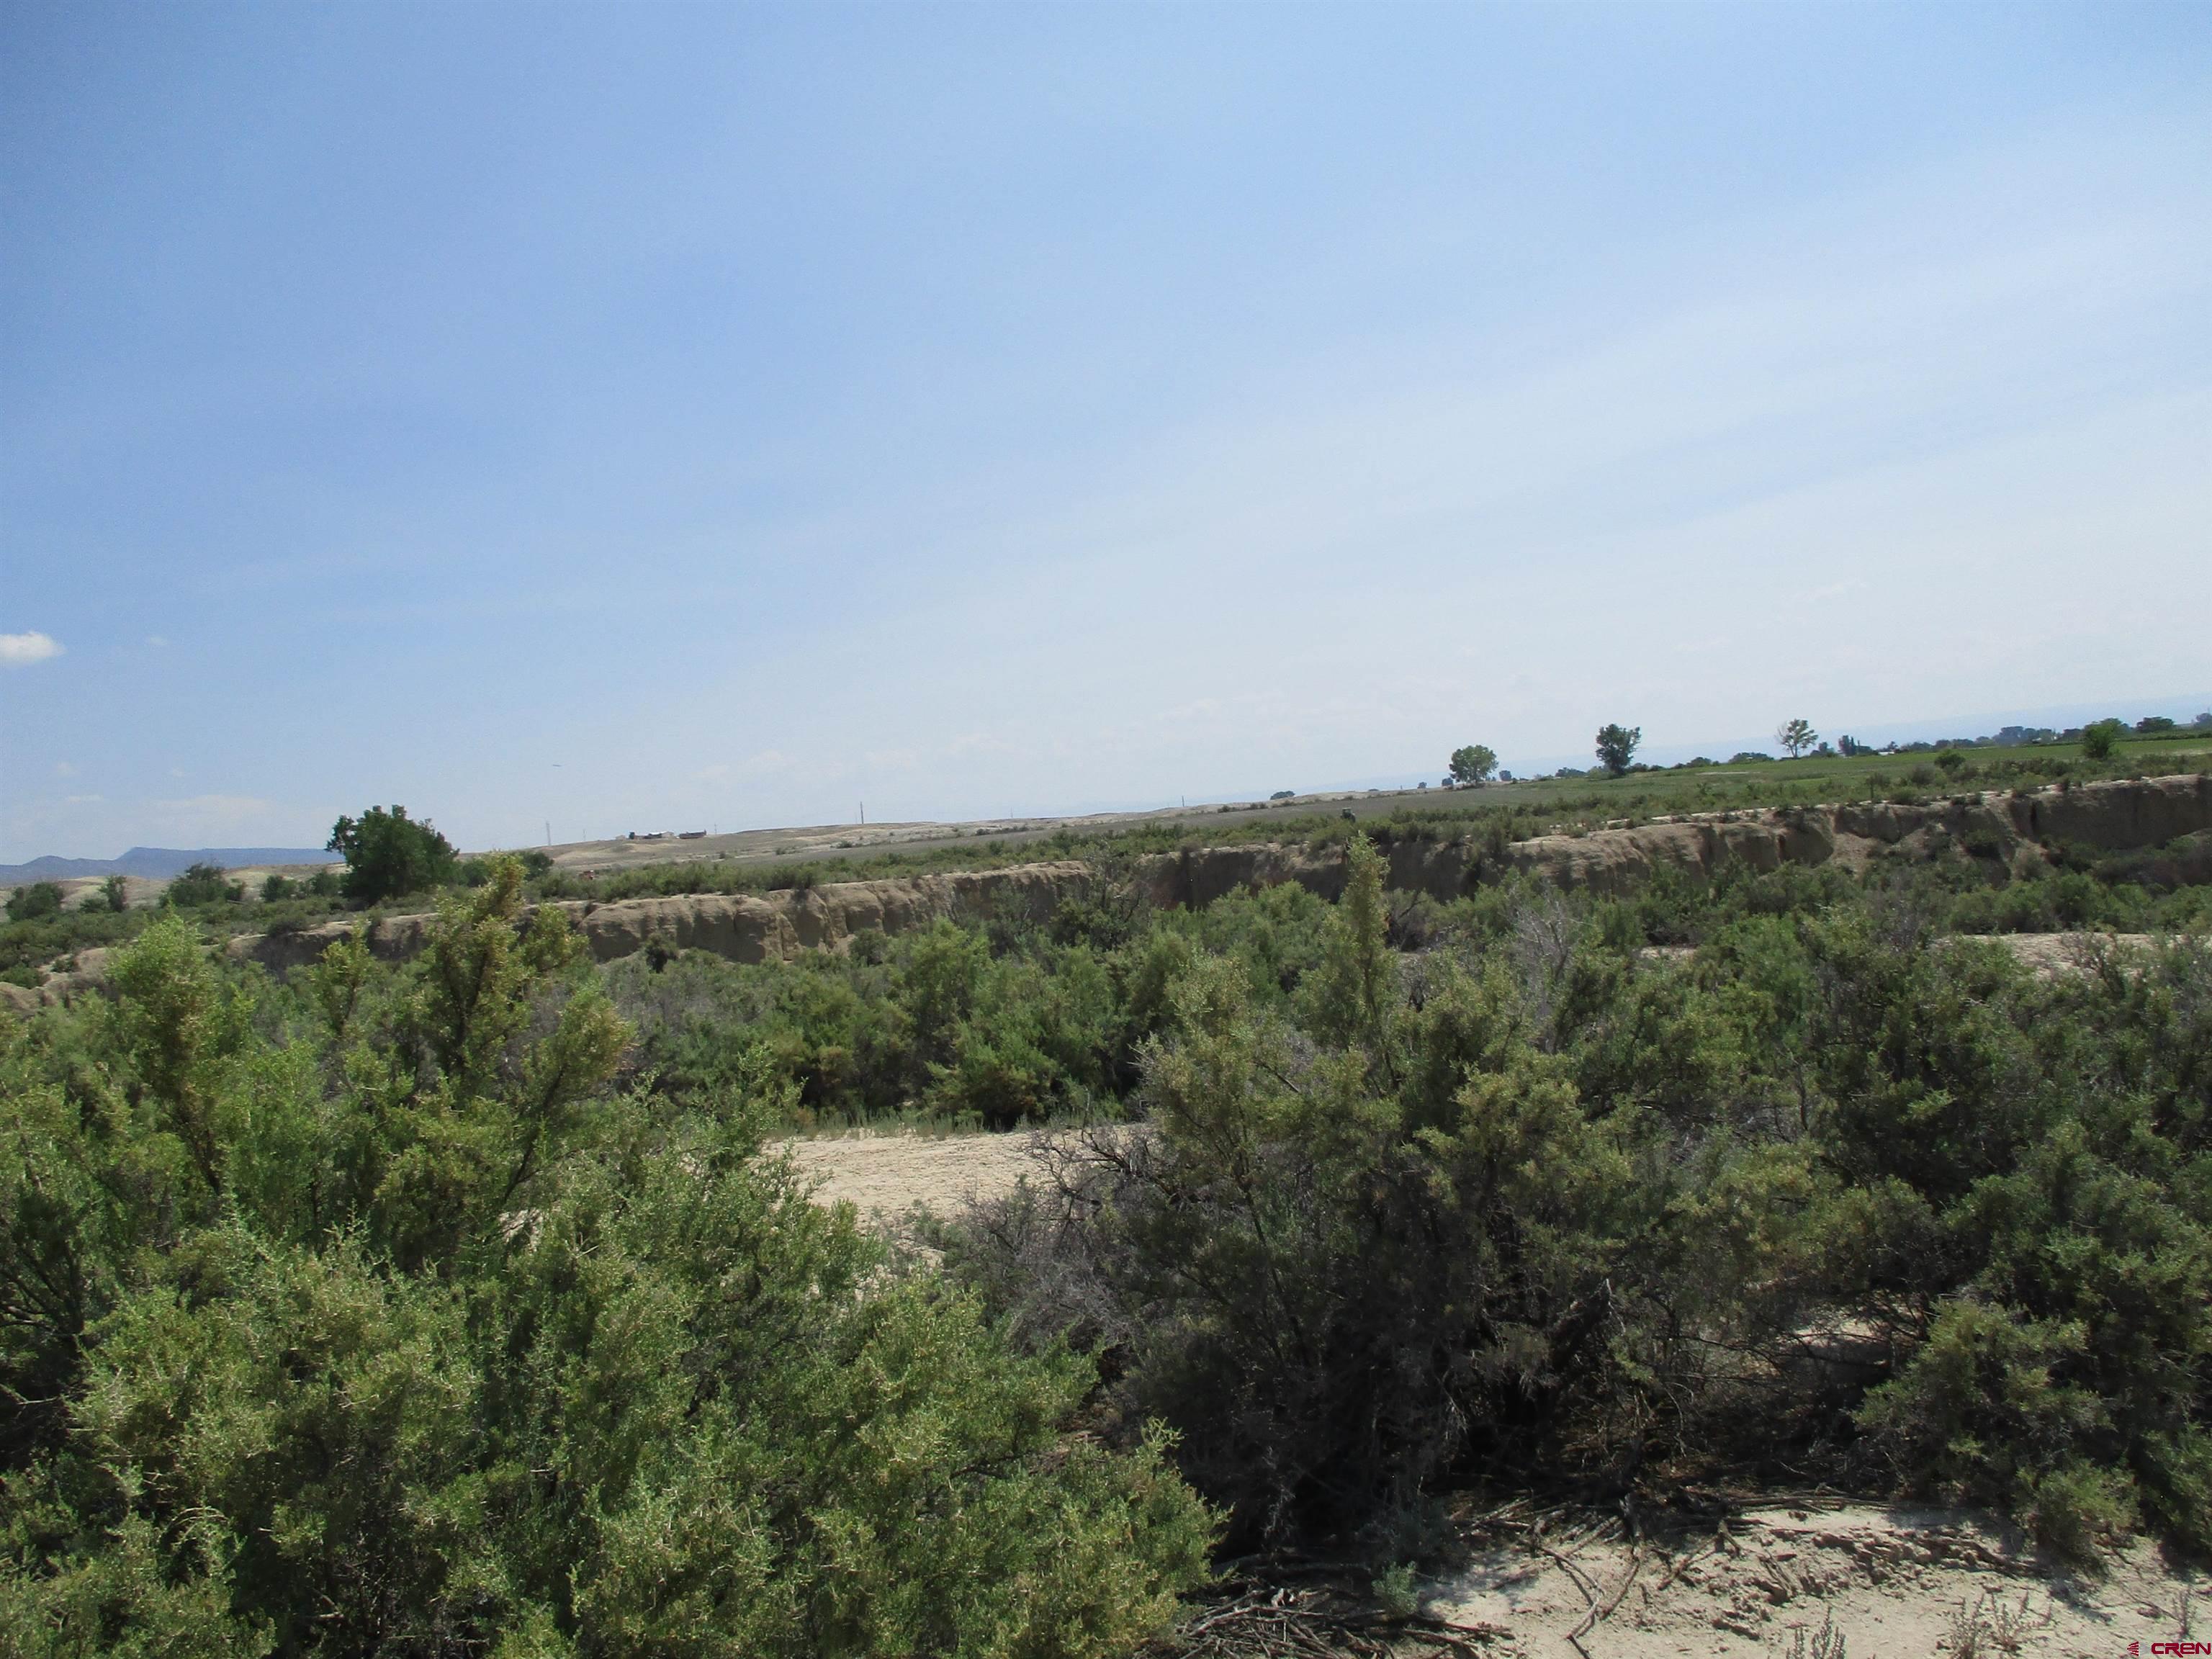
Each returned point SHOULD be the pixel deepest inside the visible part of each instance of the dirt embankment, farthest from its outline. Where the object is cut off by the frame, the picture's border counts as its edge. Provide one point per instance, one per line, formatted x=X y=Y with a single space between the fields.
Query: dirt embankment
x=771 y=926
x=2019 y=827
x=2022 y=828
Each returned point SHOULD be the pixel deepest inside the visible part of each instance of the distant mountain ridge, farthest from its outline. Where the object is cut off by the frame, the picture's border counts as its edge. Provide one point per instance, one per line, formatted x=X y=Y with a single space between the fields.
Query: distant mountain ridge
x=158 y=863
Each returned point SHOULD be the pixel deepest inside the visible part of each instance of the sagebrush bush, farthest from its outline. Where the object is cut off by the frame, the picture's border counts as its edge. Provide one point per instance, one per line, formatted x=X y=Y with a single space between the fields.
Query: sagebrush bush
x=367 y=1315
x=1534 y=1208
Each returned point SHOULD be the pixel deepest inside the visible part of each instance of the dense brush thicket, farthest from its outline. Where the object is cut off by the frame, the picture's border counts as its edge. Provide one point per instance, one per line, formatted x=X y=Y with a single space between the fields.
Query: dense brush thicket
x=364 y=1316
x=1834 y=1198
x=998 y=1024
x=458 y=1306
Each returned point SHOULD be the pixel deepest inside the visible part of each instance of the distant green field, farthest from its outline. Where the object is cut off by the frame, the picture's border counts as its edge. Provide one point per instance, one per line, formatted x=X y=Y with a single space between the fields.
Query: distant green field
x=1515 y=810
x=1757 y=783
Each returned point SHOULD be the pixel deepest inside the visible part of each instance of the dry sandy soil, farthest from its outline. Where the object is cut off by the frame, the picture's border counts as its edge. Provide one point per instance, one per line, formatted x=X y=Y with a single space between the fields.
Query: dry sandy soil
x=1897 y=1583
x=884 y=1176
x=1893 y=1583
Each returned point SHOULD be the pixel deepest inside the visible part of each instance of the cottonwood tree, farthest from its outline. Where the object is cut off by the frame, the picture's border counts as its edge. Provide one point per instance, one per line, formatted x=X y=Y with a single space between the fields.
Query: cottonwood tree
x=1474 y=763
x=1797 y=736
x=1616 y=746
x=388 y=854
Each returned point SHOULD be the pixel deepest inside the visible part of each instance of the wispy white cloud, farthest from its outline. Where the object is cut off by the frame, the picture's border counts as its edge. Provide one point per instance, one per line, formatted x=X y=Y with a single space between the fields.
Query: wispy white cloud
x=21 y=650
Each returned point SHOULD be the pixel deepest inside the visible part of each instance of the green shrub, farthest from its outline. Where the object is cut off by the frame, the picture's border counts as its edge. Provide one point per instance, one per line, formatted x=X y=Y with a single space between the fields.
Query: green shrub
x=1346 y=1268
x=1529 y=1208
x=368 y=1319
x=2100 y=738
x=203 y=884
x=30 y=945
x=34 y=899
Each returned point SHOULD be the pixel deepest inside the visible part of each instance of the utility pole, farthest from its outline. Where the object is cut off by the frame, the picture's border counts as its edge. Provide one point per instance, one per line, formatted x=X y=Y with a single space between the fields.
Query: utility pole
x=548 y=832
x=864 y=815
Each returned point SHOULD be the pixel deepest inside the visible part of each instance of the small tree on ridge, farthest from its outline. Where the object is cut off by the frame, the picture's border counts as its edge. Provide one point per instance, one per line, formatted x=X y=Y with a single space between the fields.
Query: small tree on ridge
x=2098 y=736
x=1616 y=746
x=1472 y=763
x=1797 y=736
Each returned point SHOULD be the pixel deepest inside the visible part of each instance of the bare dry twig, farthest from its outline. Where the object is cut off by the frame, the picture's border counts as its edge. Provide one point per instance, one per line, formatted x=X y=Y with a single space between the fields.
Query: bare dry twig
x=1277 y=1622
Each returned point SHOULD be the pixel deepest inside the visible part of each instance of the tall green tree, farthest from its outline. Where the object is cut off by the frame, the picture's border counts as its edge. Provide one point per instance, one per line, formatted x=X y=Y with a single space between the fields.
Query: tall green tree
x=1797 y=736
x=1472 y=763
x=388 y=854
x=1616 y=746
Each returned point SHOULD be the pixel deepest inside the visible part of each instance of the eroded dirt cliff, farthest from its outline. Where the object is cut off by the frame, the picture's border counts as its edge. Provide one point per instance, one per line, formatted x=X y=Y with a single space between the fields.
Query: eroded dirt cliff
x=2022 y=829
x=771 y=926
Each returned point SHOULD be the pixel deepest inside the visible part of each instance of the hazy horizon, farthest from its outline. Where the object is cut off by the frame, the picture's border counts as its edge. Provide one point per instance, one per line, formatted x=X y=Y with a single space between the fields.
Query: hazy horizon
x=1526 y=767
x=637 y=417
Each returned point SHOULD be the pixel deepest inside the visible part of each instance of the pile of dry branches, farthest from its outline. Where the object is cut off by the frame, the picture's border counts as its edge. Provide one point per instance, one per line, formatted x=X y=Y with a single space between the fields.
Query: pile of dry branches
x=1275 y=1621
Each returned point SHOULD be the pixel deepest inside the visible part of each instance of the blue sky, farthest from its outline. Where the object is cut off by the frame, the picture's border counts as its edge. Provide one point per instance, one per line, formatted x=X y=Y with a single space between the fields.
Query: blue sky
x=674 y=417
